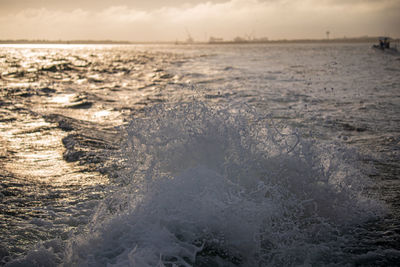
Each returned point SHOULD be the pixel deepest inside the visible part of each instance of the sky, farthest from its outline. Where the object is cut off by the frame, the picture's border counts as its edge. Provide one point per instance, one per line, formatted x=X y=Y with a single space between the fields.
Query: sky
x=162 y=20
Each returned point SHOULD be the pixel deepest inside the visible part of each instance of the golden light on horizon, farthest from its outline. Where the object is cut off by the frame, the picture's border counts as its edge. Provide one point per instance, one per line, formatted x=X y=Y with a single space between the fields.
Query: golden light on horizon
x=159 y=21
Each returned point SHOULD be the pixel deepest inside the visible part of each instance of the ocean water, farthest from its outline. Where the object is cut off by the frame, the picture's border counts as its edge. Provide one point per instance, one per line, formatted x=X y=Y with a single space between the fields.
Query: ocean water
x=199 y=155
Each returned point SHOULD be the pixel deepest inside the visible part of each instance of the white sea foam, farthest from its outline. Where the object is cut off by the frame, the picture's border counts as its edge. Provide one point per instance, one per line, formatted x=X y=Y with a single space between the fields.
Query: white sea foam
x=221 y=186
x=212 y=186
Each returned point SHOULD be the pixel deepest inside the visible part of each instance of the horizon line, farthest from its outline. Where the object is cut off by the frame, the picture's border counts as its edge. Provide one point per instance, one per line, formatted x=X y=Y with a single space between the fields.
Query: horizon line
x=218 y=41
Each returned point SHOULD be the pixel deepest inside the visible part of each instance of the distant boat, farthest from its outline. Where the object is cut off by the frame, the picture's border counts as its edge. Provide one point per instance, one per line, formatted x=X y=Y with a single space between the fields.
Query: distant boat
x=385 y=45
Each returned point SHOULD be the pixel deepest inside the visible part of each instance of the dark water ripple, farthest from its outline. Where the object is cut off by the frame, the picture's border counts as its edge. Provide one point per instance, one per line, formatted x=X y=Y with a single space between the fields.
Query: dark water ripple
x=58 y=109
x=62 y=111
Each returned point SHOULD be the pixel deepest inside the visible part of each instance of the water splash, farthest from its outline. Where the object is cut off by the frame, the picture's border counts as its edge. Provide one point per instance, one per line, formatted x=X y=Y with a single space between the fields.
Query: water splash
x=221 y=186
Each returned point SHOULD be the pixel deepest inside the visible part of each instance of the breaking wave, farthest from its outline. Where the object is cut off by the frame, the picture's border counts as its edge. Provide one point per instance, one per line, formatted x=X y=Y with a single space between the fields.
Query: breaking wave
x=221 y=186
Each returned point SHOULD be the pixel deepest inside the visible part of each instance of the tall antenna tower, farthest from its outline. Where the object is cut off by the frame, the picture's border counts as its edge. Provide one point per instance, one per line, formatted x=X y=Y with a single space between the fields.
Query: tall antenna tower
x=189 y=38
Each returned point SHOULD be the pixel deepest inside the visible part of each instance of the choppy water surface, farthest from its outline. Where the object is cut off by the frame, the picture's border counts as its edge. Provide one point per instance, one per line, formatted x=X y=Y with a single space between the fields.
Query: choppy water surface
x=227 y=155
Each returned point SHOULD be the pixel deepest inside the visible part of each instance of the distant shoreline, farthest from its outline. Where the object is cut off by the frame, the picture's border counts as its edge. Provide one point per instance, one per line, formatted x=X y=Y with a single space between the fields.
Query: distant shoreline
x=255 y=41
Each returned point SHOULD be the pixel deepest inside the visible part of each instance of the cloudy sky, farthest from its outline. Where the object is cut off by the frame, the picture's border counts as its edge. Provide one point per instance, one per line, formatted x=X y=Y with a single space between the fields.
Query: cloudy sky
x=162 y=20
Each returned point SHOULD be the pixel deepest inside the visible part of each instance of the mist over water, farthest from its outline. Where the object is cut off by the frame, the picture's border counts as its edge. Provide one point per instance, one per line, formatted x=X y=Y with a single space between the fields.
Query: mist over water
x=254 y=155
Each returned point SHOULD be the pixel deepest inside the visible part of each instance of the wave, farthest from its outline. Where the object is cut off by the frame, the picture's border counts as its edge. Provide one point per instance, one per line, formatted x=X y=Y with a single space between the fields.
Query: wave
x=222 y=186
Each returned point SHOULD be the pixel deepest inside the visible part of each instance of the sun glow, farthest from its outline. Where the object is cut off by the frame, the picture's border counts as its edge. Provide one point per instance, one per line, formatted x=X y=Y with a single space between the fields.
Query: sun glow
x=255 y=18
